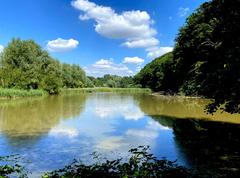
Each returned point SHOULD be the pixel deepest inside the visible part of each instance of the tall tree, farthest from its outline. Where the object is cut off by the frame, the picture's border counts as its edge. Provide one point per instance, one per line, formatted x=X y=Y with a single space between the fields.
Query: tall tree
x=207 y=54
x=25 y=65
x=158 y=75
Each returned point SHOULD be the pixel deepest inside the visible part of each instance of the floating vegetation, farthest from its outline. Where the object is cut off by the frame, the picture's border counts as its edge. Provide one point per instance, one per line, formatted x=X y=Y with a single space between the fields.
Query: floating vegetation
x=9 y=167
x=140 y=164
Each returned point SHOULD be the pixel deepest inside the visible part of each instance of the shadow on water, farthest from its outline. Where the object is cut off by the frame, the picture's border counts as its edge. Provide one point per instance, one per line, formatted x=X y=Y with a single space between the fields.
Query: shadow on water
x=210 y=148
x=209 y=145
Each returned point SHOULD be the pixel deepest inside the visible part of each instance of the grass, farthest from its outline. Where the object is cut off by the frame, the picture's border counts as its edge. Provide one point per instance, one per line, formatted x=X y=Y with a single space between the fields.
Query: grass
x=106 y=89
x=14 y=93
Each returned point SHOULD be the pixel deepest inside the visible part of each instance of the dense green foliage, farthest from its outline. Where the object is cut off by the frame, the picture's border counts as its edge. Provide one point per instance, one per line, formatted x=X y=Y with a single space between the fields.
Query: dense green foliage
x=207 y=54
x=73 y=76
x=25 y=65
x=205 y=58
x=157 y=75
x=113 y=81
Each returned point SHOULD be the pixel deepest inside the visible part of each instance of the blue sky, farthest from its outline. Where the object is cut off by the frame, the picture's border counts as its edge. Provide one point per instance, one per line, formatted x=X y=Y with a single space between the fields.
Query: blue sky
x=102 y=36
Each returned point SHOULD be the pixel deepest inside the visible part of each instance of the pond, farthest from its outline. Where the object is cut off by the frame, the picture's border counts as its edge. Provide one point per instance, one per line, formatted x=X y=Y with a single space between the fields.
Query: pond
x=48 y=133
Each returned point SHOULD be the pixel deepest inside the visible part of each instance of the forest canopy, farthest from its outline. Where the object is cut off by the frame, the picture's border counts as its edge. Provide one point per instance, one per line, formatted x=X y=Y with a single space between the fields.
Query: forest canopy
x=25 y=65
x=206 y=58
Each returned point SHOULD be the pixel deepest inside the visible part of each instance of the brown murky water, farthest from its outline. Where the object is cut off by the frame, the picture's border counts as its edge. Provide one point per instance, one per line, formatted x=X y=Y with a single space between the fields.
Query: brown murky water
x=49 y=133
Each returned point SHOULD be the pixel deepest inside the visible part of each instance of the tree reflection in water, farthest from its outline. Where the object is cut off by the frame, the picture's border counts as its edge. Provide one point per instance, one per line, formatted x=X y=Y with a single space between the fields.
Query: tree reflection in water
x=32 y=118
x=210 y=148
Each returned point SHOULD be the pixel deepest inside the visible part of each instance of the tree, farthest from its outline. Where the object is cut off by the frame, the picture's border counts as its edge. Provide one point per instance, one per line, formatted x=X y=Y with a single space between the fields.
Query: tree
x=73 y=76
x=51 y=76
x=158 y=75
x=25 y=65
x=206 y=54
x=113 y=81
x=20 y=63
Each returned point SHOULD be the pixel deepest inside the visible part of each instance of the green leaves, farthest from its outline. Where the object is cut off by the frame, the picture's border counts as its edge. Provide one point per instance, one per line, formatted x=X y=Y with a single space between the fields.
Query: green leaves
x=11 y=168
x=205 y=60
x=158 y=75
x=25 y=65
x=207 y=55
x=139 y=164
x=113 y=81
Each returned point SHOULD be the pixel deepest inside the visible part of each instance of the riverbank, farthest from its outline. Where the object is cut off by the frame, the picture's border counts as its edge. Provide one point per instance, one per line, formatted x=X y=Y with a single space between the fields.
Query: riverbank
x=176 y=95
x=15 y=93
x=6 y=93
x=106 y=89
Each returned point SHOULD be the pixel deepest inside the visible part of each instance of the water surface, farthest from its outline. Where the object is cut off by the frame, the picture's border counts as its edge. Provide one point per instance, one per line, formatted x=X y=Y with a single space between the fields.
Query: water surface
x=49 y=133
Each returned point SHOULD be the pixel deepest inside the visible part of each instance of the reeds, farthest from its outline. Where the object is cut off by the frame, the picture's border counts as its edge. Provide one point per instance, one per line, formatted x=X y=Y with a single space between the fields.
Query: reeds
x=13 y=93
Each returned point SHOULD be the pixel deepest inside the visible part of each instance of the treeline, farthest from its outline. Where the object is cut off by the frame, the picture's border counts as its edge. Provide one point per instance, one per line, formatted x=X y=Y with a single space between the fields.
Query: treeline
x=25 y=65
x=205 y=60
x=113 y=81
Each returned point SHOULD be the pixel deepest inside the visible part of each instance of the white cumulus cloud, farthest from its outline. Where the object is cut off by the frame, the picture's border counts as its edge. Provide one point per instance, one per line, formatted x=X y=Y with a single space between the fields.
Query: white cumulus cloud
x=135 y=26
x=1 y=48
x=141 y=43
x=104 y=66
x=103 y=62
x=155 y=52
x=151 y=131
x=62 y=131
x=183 y=11
x=133 y=60
x=62 y=45
x=127 y=25
x=110 y=143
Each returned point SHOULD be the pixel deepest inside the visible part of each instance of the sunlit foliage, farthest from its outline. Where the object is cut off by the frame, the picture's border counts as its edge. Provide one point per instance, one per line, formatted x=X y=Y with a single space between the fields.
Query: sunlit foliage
x=25 y=65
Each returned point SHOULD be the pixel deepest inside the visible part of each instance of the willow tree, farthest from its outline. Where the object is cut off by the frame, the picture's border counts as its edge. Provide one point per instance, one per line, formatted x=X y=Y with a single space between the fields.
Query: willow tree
x=24 y=65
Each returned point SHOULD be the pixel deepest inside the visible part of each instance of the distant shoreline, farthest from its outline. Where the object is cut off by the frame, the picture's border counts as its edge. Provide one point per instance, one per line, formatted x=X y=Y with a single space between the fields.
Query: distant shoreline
x=8 y=93
x=164 y=94
x=108 y=89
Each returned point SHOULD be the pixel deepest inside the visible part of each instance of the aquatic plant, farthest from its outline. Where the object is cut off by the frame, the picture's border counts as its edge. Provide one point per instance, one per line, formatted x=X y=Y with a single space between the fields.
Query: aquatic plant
x=140 y=164
x=9 y=167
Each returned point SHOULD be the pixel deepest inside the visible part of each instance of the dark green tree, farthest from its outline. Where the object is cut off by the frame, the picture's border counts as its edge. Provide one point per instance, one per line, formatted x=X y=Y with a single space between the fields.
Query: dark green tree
x=158 y=75
x=206 y=55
